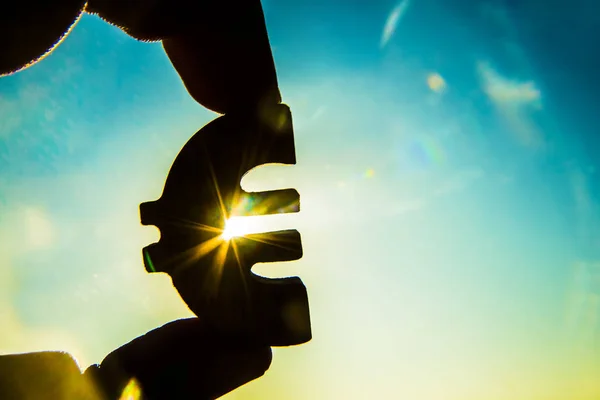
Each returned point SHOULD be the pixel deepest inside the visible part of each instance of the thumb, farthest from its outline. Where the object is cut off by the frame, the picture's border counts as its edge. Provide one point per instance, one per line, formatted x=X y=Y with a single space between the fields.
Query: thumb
x=182 y=360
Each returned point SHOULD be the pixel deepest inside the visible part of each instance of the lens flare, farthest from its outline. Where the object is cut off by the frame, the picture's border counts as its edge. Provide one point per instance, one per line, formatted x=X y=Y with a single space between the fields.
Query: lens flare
x=236 y=227
x=436 y=82
x=133 y=391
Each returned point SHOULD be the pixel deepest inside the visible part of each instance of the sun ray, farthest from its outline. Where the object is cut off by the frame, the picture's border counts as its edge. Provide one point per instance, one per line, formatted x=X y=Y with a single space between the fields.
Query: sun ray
x=217 y=267
x=207 y=247
x=185 y=258
x=184 y=223
x=258 y=238
x=230 y=207
x=239 y=264
x=222 y=207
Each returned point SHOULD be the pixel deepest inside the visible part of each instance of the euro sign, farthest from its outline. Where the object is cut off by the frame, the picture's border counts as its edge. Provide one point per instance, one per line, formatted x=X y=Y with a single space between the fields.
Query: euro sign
x=213 y=274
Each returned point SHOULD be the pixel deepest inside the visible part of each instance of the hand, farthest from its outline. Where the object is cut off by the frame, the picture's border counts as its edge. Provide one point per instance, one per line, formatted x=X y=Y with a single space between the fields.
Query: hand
x=180 y=360
x=223 y=56
x=220 y=49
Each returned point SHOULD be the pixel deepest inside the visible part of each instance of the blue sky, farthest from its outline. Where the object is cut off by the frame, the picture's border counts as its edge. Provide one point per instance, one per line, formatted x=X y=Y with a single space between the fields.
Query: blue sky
x=448 y=167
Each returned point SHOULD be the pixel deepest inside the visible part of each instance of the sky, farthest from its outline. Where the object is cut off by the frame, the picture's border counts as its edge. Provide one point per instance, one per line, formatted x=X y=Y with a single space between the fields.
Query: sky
x=448 y=161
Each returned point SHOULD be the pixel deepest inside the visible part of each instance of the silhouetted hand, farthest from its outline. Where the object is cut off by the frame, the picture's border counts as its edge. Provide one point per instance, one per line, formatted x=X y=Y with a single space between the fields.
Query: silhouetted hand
x=219 y=48
x=221 y=51
x=180 y=360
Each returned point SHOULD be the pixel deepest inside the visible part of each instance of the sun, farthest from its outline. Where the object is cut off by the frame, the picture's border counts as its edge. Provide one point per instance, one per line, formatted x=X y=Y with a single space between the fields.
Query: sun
x=236 y=227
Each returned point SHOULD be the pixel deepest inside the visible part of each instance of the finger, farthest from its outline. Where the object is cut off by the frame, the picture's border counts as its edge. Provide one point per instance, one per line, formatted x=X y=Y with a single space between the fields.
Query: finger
x=29 y=30
x=221 y=53
x=148 y=20
x=183 y=360
x=44 y=375
x=219 y=49
x=225 y=59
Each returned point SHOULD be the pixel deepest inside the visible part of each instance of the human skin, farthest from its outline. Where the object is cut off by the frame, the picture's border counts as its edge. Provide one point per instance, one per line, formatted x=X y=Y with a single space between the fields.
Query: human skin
x=221 y=52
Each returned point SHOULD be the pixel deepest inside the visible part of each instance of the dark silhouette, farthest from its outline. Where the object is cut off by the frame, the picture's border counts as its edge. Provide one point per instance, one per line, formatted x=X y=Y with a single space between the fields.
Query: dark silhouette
x=202 y=190
x=180 y=360
x=221 y=51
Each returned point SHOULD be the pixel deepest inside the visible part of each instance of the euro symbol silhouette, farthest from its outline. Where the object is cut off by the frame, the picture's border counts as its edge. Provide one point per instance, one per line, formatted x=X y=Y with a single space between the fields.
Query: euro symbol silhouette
x=213 y=275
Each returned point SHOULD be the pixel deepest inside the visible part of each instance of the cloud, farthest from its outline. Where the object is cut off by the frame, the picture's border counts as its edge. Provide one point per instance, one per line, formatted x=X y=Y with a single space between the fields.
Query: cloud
x=392 y=22
x=502 y=90
x=514 y=101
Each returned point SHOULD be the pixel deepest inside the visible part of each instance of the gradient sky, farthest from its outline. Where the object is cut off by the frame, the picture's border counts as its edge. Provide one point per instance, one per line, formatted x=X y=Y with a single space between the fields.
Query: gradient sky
x=448 y=160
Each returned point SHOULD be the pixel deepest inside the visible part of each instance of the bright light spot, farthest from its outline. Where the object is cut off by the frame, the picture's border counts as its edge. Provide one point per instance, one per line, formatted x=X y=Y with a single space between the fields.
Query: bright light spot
x=236 y=227
x=369 y=173
x=436 y=82
x=132 y=391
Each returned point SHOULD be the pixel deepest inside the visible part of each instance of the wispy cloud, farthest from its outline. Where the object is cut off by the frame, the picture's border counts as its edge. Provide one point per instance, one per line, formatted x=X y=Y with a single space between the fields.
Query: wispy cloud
x=501 y=89
x=392 y=22
x=515 y=101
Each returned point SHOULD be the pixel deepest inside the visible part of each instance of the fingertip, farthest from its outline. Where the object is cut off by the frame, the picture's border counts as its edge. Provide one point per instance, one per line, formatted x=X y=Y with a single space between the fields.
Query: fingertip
x=264 y=360
x=225 y=59
x=30 y=32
